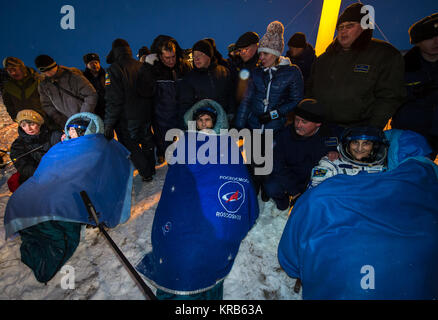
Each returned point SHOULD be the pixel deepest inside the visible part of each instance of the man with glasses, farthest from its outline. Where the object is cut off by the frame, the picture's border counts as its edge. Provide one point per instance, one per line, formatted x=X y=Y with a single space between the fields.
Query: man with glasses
x=247 y=59
x=358 y=79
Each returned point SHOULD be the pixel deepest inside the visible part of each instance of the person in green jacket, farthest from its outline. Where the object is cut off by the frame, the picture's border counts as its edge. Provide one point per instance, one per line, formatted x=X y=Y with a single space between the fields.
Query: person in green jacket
x=20 y=92
x=358 y=78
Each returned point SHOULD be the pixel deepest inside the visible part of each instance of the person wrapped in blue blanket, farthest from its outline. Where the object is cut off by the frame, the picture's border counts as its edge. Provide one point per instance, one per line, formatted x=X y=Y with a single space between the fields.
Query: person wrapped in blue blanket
x=205 y=211
x=47 y=210
x=369 y=235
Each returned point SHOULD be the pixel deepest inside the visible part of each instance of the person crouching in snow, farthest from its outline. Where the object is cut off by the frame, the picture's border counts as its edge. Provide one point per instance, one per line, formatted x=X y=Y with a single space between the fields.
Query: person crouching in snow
x=32 y=135
x=362 y=149
x=205 y=211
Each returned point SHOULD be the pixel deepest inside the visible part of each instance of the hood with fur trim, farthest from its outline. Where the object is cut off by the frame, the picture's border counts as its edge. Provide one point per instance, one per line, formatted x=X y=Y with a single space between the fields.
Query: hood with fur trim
x=95 y=126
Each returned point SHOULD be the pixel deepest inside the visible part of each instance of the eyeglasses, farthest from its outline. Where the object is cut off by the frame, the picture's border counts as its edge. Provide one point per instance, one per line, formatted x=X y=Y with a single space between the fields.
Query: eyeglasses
x=347 y=26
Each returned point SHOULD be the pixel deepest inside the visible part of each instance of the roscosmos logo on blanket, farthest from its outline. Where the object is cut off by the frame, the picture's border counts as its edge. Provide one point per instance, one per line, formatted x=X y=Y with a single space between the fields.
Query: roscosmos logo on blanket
x=231 y=195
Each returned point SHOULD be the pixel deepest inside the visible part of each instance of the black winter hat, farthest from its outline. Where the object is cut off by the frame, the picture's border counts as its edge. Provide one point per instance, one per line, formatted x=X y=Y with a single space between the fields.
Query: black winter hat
x=351 y=13
x=424 y=29
x=120 y=43
x=298 y=40
x=90 y=57
x=246 y=39
x=44 y=63
x=311 y=110
x=205 y=47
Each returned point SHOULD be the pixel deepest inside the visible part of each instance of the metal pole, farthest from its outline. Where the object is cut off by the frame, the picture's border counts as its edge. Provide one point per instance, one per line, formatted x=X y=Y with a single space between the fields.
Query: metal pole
x=92 y=212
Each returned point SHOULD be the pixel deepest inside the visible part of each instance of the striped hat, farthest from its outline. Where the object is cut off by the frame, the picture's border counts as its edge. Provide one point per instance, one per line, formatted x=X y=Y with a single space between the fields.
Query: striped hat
x=10 y=62
x=44 y=63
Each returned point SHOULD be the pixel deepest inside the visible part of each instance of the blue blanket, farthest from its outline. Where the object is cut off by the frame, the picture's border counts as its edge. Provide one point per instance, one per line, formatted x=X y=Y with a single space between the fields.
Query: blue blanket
x=89 y=163
x=205 y=211
x=369 y=236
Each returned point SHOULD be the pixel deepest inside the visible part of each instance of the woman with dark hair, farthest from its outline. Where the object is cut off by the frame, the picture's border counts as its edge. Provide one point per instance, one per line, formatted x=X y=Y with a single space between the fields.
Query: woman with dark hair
x=362 y=149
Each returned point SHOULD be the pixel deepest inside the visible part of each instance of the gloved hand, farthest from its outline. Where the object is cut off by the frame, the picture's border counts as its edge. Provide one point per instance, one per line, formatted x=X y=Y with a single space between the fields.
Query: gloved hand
x=109 y=133
x=266 y=117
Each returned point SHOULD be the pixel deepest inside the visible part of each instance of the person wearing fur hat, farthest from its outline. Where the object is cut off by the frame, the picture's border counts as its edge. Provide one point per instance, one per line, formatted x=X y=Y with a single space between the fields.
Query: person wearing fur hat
x=420 y=112
x=207 y=80
x=358 y=79
x=274 y=89
x=301 y=53
x=298 y=148
x=64 y=91
x=96 y=75
x=129 y=106
x=20 y=91
x=32 y=134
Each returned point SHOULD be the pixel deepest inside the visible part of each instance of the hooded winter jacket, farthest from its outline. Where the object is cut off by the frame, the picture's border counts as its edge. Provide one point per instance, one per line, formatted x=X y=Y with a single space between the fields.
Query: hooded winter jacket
x=60 y=105
x=281 y=87
x=361 y=86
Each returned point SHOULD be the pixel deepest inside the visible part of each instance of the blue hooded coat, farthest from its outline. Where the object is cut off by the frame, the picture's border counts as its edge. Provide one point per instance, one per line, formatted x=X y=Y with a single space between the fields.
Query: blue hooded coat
x=369 y=236
x=205 y=211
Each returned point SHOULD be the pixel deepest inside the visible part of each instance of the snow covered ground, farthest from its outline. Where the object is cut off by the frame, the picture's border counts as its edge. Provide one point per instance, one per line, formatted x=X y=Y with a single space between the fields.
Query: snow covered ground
x=256 y=274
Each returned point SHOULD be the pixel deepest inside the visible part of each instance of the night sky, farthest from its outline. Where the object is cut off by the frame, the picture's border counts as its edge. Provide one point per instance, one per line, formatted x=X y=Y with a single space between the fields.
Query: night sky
x=32 y=28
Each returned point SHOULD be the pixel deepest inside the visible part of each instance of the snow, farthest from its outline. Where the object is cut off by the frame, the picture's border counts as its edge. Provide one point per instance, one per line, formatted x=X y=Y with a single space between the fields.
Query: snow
x=99 y=274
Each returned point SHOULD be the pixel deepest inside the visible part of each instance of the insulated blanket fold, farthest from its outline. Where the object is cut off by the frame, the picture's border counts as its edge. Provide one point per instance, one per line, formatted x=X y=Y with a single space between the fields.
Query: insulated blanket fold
x=89 y=163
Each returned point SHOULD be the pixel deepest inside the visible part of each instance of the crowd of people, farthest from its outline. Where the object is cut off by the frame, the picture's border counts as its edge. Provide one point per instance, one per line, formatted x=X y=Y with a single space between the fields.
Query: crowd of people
x=327 y=112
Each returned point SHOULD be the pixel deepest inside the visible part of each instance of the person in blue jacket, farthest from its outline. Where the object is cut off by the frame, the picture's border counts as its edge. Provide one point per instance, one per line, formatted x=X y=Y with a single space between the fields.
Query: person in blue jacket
x=205 y=211
x=370 y=235
x=273 y=91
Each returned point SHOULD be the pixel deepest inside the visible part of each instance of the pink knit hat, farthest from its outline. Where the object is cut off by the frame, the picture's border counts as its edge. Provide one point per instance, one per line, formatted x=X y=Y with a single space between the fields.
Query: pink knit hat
x=273 y=41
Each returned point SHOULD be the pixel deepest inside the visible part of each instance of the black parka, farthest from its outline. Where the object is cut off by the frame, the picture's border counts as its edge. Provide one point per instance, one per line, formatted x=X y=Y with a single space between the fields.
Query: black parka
x=359 y=87
x=129 y=88
x=213 y=83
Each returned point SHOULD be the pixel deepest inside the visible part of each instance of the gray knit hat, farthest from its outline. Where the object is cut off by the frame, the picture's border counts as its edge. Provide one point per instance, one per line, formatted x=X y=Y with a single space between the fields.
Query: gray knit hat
x=273 y=41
